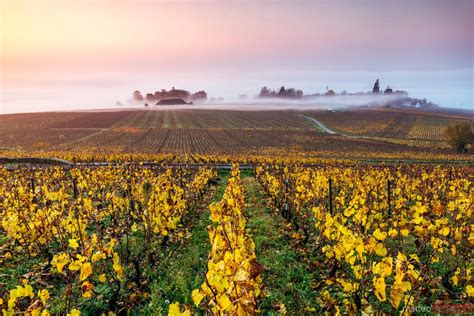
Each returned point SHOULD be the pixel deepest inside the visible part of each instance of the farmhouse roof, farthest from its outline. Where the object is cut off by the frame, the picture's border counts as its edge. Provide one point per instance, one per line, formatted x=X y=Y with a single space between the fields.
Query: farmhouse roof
x=174 y=101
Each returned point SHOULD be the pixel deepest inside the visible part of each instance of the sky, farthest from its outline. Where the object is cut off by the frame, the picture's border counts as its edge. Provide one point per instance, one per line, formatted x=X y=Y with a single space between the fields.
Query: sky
x=54 y=53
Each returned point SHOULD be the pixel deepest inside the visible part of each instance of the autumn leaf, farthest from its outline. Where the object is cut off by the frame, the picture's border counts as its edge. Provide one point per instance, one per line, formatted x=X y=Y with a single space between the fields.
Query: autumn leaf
x=86 y=270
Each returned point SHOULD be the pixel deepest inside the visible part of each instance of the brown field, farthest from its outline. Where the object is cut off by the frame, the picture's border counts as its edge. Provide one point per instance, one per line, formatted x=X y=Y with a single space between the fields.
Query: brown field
x=224 y=132
x=392 y=124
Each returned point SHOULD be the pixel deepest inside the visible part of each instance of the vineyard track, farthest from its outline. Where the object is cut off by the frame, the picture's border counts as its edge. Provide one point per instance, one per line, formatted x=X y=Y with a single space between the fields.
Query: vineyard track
x=286 y=278
x=322 y=127
x=172 y=282
x=325 y=129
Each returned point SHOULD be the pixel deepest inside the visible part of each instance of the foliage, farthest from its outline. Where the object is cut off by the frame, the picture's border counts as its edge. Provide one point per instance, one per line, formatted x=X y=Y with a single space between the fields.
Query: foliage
x=459 y=136
x=96 y=232
x=382 y=250
x=368 y=239
x=232 y=282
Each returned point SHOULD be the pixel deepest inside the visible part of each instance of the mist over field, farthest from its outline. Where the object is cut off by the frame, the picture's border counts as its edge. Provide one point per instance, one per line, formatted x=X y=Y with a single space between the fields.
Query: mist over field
x=75 y=91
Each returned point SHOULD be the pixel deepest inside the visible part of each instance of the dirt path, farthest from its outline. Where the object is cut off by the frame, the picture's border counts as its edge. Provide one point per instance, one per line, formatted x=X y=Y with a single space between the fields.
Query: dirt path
x=321 y=126
x=325 y=129
x=286 y=279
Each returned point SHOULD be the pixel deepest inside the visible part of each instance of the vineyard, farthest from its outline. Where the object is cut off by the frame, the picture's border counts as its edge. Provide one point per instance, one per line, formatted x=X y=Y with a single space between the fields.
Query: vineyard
x=236 y=157
x=275 y=239
x=232 y=132
x=401 y=124
x=186 y=212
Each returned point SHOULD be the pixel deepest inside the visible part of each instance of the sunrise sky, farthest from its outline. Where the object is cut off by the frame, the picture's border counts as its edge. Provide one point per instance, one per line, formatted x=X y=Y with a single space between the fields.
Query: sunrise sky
x=44 y=42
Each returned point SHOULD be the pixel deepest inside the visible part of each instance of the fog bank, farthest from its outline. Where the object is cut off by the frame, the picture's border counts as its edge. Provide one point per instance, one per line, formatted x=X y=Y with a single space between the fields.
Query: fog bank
x=65 y=92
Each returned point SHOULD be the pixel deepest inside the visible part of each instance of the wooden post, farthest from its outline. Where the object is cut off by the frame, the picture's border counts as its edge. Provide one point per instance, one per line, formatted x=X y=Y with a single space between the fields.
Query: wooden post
x=131 y=206
x=74 y=186
x=330 y=196
x=388 y=198
x=32 y=185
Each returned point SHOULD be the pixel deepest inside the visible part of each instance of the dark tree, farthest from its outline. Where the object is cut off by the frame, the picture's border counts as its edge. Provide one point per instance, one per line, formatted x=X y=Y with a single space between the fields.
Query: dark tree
x=137 y=96
x=282 y=91
x=199 y=96
x=388 y=91
x=150 y=96
x=376 y=88
x=459 y=136
x=265 y=92
x=330 y=93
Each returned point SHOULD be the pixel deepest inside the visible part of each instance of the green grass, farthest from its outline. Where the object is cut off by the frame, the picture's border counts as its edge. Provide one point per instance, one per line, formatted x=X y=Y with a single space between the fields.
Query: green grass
x=182 y=270
x=12 y=271
x=286 y=279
